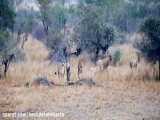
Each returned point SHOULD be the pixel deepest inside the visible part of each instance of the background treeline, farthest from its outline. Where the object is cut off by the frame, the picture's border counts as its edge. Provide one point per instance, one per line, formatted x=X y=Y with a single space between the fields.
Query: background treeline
x=90 y=25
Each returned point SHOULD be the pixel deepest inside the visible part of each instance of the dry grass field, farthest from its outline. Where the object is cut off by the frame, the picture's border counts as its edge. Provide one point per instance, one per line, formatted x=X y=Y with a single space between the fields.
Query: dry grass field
x=119 y=94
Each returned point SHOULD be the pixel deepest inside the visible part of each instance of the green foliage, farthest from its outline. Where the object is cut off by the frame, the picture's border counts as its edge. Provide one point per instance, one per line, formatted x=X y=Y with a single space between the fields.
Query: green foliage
x=129 y=14
x=44 y=3
x=24 y=21
x=101 y=3
x=54 y=19
x=57 y=16
x=94 y=33
x=7 y=44
x=117 y=57
x=6 y=15
x=4 y=36
x=44 y=7
x=6 y=26
x=150 y=46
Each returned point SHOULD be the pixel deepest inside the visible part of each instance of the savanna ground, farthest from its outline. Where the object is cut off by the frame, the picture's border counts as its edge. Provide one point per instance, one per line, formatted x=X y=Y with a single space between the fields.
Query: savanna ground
x=119 y=93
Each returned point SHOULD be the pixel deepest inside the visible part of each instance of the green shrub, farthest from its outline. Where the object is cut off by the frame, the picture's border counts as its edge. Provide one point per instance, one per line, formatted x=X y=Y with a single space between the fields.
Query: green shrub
x=117 y=57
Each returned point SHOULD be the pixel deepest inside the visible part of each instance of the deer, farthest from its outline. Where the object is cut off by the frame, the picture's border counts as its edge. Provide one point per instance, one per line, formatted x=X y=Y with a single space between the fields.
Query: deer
x=60 y=71
x=134 y=63
x=63 y=69
x=24 y=40
x=66 y=69
x=81 y=63
x=104 y=63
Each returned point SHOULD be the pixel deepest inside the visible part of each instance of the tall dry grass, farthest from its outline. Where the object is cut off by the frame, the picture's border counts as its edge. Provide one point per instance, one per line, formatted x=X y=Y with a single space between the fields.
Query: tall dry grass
x=37 y=65
x=144 y=71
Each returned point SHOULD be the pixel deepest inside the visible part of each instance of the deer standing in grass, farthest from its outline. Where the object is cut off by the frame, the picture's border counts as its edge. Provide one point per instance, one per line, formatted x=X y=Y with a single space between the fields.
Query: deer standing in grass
x=61 y=71
x=81 y=63
x=134 y=63
x=67 y=67
x=105 y=62
x=64 y=68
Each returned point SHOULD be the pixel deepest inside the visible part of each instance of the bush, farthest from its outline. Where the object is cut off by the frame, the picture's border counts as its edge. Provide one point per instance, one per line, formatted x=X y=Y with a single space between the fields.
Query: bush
x=150 y=45
x=3 y=39
x=117 y=57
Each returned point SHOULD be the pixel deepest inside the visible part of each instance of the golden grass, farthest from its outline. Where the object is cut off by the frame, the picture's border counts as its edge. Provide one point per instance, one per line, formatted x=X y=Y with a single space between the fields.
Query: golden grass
x=35 y=50
x=128 y=53
x=37 y=65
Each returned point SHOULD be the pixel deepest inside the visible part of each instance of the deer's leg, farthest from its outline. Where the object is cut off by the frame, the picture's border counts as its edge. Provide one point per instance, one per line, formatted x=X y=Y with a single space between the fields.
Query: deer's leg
x=78 y=75
x=68 y=74
x=59 y=76
x=5 y=69
x=79 y=70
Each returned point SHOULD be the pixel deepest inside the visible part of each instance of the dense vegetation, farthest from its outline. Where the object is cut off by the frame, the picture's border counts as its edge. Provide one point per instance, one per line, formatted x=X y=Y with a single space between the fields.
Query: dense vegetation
x=150 y=45
x=7 y=16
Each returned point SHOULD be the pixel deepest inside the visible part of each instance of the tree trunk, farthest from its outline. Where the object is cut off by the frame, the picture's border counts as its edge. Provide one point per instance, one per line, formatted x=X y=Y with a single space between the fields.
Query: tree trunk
x=96 y=54
x=6 y=66
x=68 y=73
x=45 y=26
x=25 y=38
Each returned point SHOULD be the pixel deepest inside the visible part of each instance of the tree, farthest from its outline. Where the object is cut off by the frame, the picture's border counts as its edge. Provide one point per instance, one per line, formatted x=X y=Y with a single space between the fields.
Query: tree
x=54 y=17
x=6 y=30
x=7 y=16
x=150 y=45
x=94 y=33
x=24 y=24
x=132 y=13
x=44 y=6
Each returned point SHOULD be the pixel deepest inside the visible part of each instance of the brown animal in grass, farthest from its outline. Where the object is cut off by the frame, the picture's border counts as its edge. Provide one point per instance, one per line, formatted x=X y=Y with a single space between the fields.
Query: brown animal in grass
x=104 y=63
x=81 y=64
